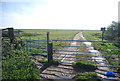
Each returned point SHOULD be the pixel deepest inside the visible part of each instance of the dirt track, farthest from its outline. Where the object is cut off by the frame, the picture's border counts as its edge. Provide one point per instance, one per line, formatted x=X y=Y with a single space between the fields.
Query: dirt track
x=64 y=70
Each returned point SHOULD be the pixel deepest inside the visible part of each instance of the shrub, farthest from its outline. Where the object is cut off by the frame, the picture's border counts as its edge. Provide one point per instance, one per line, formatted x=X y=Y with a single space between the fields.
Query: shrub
x=16 y=63
x=19 y=68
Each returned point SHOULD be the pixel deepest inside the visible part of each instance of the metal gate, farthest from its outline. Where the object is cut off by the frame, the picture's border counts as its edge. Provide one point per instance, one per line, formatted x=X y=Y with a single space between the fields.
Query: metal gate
x=69 y=51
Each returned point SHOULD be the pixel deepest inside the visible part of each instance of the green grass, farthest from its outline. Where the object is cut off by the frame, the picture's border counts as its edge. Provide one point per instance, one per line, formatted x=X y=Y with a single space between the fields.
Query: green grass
x=87 y=76
x=55 y=61
x=84 y=65
x=43 y=61
x=92 y=34
x=54 y=34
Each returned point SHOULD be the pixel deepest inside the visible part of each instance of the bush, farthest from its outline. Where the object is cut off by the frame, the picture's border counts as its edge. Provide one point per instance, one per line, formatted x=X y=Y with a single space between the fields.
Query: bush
x=16 y=63
x=19 y=68
x=88 y=76
x=84 y=65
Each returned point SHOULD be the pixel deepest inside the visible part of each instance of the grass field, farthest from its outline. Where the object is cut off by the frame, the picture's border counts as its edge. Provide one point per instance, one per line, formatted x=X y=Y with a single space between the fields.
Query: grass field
x=41 y=34
x=92 y=34
x=54 y=34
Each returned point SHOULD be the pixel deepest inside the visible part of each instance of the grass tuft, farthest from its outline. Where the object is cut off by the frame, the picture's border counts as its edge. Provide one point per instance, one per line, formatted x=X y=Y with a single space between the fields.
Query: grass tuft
x=84 y=65
x=87 y=76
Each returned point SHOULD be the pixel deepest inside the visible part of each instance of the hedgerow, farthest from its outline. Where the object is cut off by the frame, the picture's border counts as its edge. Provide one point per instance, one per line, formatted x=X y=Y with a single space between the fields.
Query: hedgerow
x=16 y=62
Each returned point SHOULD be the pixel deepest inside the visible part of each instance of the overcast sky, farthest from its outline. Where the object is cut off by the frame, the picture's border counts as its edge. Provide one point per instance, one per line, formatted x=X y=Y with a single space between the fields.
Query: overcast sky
x=58 y=14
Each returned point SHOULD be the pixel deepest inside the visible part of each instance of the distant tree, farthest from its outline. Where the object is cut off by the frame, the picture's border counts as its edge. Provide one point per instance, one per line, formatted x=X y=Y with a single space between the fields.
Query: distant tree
x=113 y=31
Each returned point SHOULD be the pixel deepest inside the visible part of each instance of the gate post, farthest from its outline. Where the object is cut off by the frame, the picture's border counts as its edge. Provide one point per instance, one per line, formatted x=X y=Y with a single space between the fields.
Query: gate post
x=11 y=34
x=49 y=50
x=50 y=53
x=47 y=45
x=47 y=38
x=103 y=30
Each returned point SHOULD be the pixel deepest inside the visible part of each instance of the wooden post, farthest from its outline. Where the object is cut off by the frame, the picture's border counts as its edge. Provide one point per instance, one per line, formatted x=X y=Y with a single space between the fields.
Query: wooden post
x=47 y=38
x=50 y=53
x=1 y=55
x=102 y=35
x=47 y=44
x=49 y=50
x=11 y=34
x=103 y=30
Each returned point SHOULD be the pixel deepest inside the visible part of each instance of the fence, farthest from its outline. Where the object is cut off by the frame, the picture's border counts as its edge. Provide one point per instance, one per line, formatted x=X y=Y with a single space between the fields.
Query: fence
x=40 y=47
x=9 y=32
x=70 y=51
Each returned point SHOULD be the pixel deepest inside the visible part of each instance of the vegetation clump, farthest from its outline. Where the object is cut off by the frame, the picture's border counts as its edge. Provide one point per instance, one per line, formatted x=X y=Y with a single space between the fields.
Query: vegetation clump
x=84 y=65
x=87 y=76
x=16 y=62
x=54 y=62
